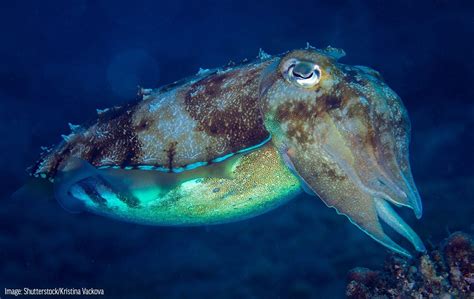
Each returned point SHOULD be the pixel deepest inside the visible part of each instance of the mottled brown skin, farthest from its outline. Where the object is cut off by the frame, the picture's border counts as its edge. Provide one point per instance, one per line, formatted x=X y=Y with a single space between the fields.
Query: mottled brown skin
x=238 y=119
x=220 y=115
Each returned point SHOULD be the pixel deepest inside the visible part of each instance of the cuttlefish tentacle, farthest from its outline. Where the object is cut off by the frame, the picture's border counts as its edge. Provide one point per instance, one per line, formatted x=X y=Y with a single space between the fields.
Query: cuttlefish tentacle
x=393 y=126
x=390 y=217
x=377 y=207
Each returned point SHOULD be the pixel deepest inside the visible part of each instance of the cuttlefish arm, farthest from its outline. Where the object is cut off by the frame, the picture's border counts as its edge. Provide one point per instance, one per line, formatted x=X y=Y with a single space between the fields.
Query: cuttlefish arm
x=345 y=134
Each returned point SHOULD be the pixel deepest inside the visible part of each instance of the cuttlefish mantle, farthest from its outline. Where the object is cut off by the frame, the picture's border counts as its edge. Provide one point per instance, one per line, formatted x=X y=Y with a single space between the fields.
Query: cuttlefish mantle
x=231 y=143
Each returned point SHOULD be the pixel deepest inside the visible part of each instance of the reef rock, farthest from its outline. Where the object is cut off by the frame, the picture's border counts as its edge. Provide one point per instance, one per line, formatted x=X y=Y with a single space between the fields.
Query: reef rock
x=443 y=272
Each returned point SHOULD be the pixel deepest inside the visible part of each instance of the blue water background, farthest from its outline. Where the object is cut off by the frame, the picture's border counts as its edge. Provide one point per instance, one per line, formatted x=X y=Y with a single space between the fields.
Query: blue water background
x=60 y=60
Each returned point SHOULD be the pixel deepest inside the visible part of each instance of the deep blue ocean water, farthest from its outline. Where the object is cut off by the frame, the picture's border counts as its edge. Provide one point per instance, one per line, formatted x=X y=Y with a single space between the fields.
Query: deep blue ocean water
x=60 y=60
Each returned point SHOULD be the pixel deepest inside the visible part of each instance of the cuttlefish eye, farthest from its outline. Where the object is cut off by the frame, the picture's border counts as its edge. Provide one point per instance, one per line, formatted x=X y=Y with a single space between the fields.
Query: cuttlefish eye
x=304 y=73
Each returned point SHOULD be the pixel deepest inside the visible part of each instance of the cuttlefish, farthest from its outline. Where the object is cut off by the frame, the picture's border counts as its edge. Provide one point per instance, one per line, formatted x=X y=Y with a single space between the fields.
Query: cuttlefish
x=235 y=142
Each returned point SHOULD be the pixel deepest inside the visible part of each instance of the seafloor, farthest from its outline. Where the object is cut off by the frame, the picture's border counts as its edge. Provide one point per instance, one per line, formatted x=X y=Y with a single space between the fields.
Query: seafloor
x=444 y=271
x=60 y=60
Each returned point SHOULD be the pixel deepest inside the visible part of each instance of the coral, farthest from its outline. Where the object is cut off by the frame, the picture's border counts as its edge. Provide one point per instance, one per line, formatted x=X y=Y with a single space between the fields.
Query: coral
x=443 y=272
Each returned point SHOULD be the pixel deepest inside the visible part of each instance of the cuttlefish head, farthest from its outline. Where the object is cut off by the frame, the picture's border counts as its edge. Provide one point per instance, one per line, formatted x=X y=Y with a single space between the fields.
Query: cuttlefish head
x=345 y=134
